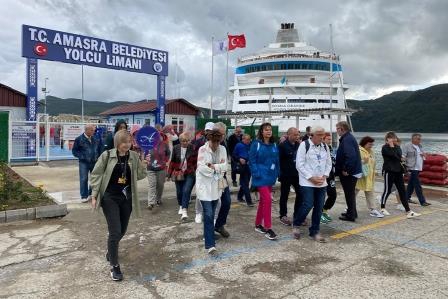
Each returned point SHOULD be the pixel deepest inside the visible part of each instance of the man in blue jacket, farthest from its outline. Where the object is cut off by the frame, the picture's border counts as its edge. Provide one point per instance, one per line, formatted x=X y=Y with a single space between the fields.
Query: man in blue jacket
x=348 y=168
x=87 y=148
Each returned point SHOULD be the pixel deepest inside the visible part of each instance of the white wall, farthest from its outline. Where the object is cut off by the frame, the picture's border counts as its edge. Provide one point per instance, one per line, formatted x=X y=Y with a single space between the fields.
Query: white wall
x=15 y=113
x=189 y=121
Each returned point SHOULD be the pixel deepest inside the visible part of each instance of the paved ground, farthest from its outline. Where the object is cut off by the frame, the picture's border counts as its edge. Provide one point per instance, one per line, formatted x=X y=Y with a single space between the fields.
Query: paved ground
x=164 y=258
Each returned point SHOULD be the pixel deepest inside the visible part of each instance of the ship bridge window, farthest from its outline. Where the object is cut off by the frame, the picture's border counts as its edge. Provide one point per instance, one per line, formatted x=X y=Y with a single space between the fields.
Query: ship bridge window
x=299 y=65
x=301 y=101
x=248 y=102
x=278 y=101
x=263 y=101
x=327 y=101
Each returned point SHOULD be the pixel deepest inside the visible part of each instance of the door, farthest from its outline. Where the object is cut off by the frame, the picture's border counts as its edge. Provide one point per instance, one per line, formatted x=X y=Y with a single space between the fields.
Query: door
x=4 y=136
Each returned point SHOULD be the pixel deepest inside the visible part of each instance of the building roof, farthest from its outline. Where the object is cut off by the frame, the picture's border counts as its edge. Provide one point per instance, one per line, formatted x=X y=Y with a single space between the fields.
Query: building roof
x=146 y=106
x=10 y=97
x=12 y=89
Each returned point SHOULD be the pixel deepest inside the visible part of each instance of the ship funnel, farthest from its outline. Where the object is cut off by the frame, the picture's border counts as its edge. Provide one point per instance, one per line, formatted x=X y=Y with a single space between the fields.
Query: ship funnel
x=287 y=34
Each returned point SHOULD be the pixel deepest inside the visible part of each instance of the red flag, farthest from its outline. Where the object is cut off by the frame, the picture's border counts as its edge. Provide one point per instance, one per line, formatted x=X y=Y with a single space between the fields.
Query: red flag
x=237 y=41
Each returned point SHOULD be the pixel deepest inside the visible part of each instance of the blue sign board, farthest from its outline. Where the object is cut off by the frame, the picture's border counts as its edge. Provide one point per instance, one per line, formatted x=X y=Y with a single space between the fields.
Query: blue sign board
x=41 y=43
x=160 y=113
x=148 y=138
x=31 y=89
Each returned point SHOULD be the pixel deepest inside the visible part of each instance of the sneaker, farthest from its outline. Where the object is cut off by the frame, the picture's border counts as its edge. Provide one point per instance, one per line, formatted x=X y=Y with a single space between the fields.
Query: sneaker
x=329 y=219
x=150 y=206
x=260 y=229
x=159 y=202
x=212 y=251
x=84 y=200
x=385 y=212
x=413 y=201
x=285 y=221
x=376 y=213
x=400 y=207
x=323 y=220
x=235 y=184
x=412 y=214
x=116 y=274
x=180 y=210
x=184 y=215
x=222 y=231
x=296 y=233
x=270 y=235
x=250 y=204
x=425 y=204
x=318 y=238
x=305 y=222
x=198 y=218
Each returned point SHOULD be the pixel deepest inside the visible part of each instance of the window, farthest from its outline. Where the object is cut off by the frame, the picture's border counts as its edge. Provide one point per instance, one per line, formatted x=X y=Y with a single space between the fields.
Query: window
x=248 y=102
x=178 y=124
x=147 y=122
x=263 y=101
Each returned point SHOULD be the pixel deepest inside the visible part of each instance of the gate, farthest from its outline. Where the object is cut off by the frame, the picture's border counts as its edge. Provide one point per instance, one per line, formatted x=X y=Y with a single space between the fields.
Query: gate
x=4 y=134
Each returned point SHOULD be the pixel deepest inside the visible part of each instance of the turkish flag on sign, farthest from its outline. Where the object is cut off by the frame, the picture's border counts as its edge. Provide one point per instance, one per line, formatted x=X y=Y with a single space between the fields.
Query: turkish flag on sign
x=237 y=41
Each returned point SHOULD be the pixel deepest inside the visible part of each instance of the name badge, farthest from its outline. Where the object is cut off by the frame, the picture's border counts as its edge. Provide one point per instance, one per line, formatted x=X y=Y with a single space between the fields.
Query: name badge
x=122 y=181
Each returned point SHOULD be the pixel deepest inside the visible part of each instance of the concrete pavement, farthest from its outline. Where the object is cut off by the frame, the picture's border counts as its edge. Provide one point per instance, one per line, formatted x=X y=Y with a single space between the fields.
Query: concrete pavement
x=163 y=258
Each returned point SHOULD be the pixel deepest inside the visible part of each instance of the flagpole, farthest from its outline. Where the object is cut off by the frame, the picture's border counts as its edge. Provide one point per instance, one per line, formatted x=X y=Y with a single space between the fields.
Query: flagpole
x=227 y=73
x=211 y=85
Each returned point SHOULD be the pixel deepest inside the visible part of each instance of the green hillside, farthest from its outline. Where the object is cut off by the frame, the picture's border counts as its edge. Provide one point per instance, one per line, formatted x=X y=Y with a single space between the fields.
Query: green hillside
x=56 y=106
x=424 y=110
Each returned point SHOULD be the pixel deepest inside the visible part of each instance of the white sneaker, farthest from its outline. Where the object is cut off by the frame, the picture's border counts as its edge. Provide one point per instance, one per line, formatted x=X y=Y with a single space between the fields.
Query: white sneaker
x=400 y=207
x=184 y=215
x=198 y=218
x=385 y=212
x=212 y=251
x=412 y=214
x=180 y=210
x=84 y=200
x=376 y=213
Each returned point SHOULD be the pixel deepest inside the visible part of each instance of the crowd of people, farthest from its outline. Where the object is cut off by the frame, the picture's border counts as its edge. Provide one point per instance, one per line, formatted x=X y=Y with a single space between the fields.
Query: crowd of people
x=306 y=165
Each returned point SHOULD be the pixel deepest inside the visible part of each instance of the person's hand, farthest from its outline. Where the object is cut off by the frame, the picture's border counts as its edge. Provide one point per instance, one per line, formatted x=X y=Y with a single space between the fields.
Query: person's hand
x=315 y=180
x=93 y=202
x=391 y=142
x=242 y=161
x=344 y=173
x=211 y=166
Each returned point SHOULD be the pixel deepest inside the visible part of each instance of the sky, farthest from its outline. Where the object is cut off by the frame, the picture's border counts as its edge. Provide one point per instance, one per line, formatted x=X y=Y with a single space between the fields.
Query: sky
x=384 y=45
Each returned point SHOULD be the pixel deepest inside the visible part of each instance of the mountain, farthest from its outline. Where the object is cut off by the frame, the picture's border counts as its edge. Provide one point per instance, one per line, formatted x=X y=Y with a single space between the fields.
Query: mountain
x=56 y=106
x=424 y=110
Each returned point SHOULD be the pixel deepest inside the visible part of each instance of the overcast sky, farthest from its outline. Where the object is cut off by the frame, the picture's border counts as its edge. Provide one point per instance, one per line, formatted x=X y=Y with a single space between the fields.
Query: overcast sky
x=384 y=45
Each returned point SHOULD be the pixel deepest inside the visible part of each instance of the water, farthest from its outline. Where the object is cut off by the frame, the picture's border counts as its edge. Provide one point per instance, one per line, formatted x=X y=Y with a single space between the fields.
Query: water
x=432 y=143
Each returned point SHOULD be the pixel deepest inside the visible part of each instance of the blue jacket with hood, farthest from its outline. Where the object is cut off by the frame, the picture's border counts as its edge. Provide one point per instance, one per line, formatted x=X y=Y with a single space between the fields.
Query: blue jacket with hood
x=264 y=163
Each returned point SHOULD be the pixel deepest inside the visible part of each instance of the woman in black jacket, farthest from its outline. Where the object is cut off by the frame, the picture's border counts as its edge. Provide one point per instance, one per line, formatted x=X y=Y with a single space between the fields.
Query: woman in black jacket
x=393 y=170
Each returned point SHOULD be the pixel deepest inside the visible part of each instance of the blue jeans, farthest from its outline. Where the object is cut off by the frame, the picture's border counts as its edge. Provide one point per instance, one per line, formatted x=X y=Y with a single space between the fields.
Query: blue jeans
x=414 y=183
x=84 y=169
x=312 y=198
x=208 y=214
x=244 y=185
x=225 y=208
x=183 y=190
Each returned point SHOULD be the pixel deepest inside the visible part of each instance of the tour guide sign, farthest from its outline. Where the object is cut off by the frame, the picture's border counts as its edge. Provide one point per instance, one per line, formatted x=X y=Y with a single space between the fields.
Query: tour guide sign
x=41 y=43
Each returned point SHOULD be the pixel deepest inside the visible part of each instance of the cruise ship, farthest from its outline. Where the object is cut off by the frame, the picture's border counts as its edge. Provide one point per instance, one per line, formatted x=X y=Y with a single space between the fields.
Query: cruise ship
x=289 y=74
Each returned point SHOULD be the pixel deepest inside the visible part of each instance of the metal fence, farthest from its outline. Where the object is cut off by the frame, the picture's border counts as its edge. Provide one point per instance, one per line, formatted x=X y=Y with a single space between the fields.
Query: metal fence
x=47 y=141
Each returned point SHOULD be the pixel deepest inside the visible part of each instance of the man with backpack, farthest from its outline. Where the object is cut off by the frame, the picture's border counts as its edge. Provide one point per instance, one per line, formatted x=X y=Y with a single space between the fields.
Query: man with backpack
x=314 y=164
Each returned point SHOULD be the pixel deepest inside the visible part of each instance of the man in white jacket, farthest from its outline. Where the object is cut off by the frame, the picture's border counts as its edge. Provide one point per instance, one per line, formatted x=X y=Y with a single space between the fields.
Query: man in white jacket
x=313 y=162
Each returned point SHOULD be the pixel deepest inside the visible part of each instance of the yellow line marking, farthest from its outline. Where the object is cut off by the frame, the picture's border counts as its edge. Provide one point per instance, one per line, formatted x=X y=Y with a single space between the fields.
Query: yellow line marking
x=378 y=224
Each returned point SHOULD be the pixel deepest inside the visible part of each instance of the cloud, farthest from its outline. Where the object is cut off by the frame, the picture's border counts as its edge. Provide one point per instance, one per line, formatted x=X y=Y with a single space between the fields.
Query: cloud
x=384 y=45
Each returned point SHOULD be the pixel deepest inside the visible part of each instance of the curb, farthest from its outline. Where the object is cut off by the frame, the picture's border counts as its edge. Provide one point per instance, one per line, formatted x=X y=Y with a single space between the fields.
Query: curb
x=51 y=211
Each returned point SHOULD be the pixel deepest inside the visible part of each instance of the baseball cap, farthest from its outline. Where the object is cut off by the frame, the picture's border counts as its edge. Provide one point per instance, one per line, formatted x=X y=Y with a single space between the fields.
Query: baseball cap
x=209 y=126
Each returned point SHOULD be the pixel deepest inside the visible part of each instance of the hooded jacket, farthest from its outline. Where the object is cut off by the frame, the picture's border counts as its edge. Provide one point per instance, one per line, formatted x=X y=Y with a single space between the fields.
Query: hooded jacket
x=264 y=163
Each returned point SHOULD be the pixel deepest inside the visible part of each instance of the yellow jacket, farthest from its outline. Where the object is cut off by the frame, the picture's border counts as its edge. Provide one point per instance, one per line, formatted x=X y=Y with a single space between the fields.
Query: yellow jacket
x=366 y=183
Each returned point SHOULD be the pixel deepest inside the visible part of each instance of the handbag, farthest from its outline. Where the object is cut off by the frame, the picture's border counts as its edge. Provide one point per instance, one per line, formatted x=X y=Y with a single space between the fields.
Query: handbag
x=365 y=170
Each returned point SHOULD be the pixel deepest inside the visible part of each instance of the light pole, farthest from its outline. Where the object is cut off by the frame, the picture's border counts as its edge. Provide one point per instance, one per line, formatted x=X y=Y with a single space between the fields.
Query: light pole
x=45 y=91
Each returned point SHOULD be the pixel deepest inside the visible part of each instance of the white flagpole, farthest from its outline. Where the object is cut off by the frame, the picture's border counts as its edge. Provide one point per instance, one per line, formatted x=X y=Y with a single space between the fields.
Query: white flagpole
x=211 y=85
x=227 y=74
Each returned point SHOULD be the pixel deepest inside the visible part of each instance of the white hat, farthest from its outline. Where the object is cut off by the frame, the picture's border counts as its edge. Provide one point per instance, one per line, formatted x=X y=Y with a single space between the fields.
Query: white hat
x=209 y=126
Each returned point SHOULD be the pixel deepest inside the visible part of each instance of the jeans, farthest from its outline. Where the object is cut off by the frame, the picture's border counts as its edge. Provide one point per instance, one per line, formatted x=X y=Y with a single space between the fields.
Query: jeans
x=183 y=190
x=390 y=179
x=312 y=198
x=225 y=208
x=208 y=212
x=285 y=187
x=349 y=185
x=84 y=169
x=244 y=185
x=264 y=207
x=117 y=210
x=414 y=183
